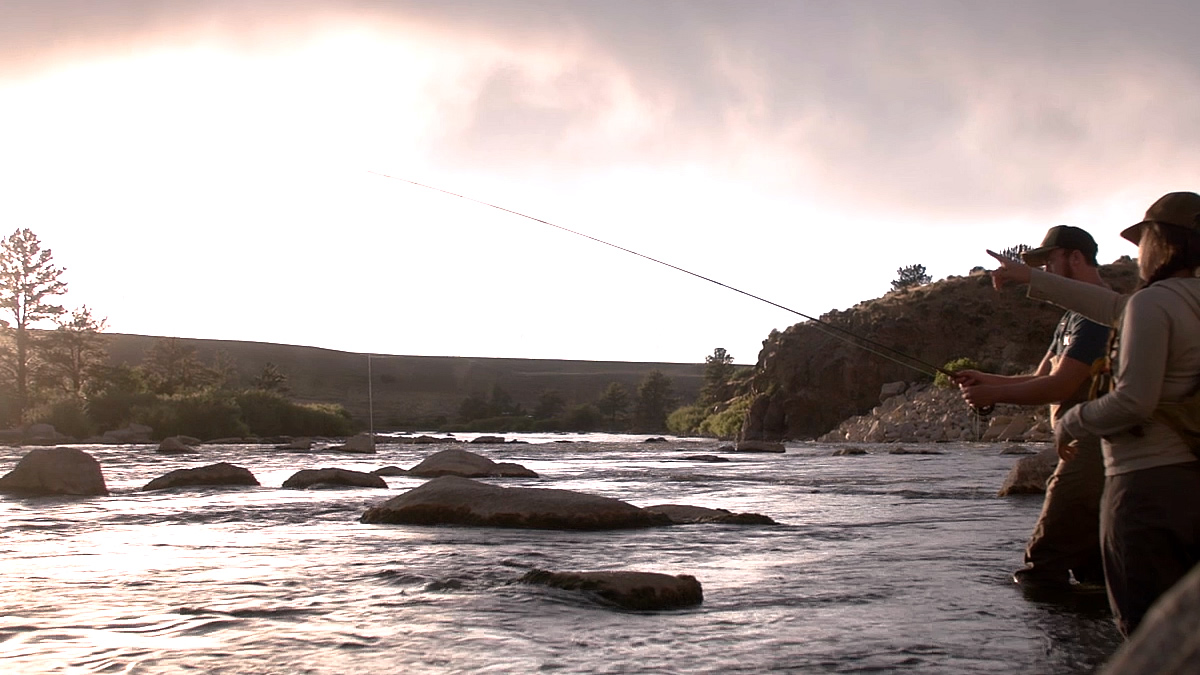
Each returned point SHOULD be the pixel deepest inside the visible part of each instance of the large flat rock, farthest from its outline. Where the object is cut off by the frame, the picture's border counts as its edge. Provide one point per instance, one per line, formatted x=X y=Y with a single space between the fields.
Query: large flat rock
x=452 y=500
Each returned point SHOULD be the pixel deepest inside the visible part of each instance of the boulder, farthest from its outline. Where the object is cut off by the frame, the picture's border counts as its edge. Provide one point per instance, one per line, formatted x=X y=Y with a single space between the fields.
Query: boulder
x=456 y=462
x=488 y=440
x=706 y=458
x=44 y=434
x=683 y=514
x=297 y=444
x=134 y=433
x=1016 y=450
x=646 y=591
x=451 y=500
x=175 y=445
x=55 y=471
x=345 y=477
x=849 y=450
x=222 y=473
x=1029 y=474
x=892 y=389
x=655 y=439
x=390 y=471
x=760 y=446
x=361 y=443
x=1165 y=643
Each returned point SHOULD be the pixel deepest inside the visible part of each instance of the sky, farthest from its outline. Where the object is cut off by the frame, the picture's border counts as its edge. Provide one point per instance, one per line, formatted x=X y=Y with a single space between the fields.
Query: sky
x=212 y=168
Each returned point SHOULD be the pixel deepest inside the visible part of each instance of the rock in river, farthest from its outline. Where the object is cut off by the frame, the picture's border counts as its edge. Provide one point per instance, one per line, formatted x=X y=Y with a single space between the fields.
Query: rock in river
x=1029 y=474
x=222 y=473
x=631 y=590
x=456 y=462
x=343 y=477
x=451 y=500
x=55 y=471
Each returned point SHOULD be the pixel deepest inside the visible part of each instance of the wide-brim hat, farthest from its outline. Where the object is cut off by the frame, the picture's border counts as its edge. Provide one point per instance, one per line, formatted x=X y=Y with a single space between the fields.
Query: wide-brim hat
x=1181 y=209
x=1060 y=236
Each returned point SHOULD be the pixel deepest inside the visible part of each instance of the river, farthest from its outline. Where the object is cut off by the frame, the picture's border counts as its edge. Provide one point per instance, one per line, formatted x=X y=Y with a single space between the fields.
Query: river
x=879 y=563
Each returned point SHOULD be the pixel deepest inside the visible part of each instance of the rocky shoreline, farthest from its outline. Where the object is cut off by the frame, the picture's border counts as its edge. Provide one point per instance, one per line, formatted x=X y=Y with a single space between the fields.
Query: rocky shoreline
x=924 y=413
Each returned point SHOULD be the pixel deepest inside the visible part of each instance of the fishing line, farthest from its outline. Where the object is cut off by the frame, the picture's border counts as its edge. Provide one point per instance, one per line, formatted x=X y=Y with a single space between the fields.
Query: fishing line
x=912 y=362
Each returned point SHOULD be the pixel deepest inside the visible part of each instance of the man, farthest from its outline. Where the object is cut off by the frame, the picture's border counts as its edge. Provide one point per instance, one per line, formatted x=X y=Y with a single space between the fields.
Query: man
x=1066 y=538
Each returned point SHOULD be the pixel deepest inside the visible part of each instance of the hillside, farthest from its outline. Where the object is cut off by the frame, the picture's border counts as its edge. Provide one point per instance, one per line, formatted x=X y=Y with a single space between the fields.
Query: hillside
x=807 y=381
x=416 y=391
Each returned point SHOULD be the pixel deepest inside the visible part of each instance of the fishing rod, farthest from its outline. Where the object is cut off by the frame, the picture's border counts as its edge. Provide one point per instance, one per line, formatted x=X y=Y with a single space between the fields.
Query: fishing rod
x=893 y=355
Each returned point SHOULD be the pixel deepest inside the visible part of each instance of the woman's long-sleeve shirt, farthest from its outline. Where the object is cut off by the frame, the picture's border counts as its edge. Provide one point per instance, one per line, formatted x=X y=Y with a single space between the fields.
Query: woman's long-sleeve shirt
x=1158 y=359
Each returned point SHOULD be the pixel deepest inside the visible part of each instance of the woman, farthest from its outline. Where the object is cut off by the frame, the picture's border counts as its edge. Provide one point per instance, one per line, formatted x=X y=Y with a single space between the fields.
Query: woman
x=1150 y=512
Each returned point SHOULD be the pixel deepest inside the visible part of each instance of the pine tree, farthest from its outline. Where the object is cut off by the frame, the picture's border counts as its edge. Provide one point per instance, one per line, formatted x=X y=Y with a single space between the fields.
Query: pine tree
x=29 y=281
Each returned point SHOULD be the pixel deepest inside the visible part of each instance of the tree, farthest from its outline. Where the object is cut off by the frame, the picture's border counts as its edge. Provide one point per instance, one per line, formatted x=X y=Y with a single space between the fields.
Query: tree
x=29 y=281
x=74 y=351
x=1014 y=252
x=172 y=367
x=474 y=407
x=613 y=402
x=655 y=398
x=549 y=405
x=913 y=275
x=270 y=379
x=718 y=369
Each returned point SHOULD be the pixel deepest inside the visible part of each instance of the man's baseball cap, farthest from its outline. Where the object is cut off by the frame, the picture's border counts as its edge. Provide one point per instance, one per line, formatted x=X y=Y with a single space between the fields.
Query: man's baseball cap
x=1061 y=236
x=1174 y=208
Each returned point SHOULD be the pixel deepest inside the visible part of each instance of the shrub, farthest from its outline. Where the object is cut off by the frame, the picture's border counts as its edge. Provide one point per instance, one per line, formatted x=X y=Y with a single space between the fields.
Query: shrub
x=206 y=414
x=686 y=420
x=68 y=416
x=957 y=364
x=728 y=422
x=268 y=413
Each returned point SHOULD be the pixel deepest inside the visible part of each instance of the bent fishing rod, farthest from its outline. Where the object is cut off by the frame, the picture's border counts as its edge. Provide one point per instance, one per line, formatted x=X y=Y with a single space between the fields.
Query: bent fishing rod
x=892 y=354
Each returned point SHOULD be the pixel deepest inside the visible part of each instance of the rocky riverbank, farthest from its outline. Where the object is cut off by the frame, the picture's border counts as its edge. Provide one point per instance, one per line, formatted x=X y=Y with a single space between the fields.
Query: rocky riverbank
x=924 y=413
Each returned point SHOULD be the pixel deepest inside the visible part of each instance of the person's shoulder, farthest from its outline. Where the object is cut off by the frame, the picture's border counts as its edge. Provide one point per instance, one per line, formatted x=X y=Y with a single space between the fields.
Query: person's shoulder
x=1166 y=294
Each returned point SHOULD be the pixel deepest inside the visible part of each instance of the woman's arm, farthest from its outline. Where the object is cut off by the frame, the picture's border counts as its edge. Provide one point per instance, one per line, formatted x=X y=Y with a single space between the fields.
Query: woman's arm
x=1100 y=304
x=1141 y=366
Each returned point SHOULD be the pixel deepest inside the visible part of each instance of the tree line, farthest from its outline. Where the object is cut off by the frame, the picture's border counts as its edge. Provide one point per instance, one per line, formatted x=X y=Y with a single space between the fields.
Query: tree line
x=54 y=368
x=653 y=407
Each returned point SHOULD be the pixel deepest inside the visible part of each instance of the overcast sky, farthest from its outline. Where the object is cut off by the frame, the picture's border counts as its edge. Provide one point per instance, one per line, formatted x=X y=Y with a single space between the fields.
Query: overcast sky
x=210 y=168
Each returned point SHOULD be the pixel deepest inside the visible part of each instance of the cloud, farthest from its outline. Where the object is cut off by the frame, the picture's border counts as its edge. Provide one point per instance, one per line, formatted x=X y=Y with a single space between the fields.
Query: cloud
x=960 y=109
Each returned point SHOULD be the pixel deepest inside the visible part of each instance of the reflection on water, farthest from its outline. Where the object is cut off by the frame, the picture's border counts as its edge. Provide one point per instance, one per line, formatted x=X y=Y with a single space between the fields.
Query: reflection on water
x=880 y=563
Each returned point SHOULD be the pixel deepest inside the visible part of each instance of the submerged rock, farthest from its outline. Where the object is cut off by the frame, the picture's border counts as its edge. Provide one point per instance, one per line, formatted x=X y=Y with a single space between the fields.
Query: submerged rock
x=487 y=440
x=451 y=500
x=344 y=477
x=630 y=590
x=847 y=451
x=1029 y=475
x=914 y=451
x=177 y=445
x=55 y=471
x=760 y=446
x=706 y=458
x=457 y=462
x=683 y=514
x=222 y=473
x=423 y=440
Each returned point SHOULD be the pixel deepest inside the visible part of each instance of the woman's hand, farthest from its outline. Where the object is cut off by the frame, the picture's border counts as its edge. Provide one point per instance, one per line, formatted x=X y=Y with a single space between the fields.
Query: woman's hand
x=1010 y=271
x=1067 y=446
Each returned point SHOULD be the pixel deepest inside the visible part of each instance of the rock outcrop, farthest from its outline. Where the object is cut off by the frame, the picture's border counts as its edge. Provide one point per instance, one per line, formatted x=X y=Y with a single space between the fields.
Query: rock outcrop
x=307 y=478
x=809 y=378
x=55 y=471
x=645 y=591
x=219 y=474
x=451 y=500
x=457 y=462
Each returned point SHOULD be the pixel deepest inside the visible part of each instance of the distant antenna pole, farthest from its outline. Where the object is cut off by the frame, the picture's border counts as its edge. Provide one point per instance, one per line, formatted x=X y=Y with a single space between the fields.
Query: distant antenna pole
x=370 y=401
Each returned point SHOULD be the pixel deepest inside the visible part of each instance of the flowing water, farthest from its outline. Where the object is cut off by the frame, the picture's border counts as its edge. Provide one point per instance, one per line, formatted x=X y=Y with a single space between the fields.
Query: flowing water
x=880 y=563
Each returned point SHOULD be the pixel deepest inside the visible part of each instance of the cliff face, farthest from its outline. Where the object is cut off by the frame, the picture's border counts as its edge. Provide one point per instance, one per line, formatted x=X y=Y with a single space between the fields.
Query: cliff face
x=808 y=379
